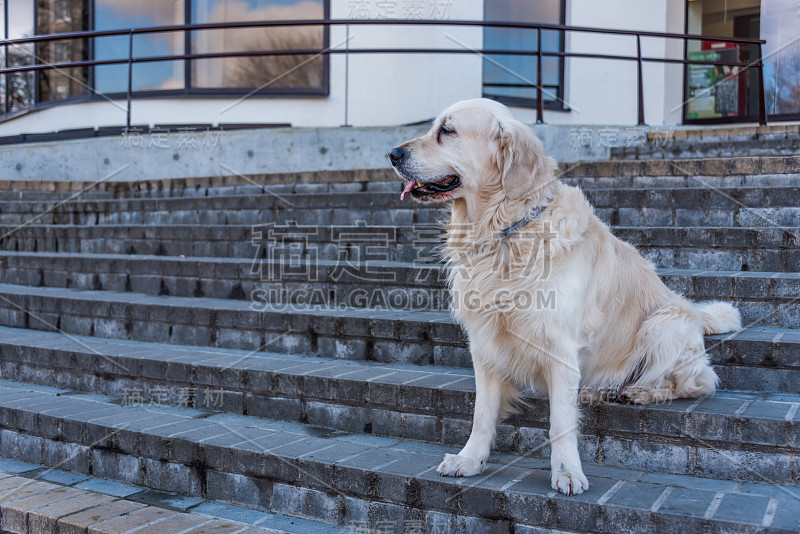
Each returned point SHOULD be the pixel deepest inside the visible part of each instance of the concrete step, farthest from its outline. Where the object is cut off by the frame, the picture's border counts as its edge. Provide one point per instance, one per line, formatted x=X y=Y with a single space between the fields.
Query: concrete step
x=291 y=467
x=683 y=179
x=712 y=147
x=200 y=186
x=718 y=248
x=757 y=359
x=694 y=206
x=707 y=437
x=207 y=185
x=38 y=500
x=725 y=169
x=764 y=298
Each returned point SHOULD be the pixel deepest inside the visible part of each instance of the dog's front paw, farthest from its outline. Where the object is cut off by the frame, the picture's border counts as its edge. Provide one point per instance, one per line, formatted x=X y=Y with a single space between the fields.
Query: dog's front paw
x=569 y=482
x=455 y=465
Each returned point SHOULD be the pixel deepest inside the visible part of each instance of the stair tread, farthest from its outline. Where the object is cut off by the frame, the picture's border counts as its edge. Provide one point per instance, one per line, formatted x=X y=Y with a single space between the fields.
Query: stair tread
x=382 y=189
x=754 y=333
x=366 y=228
x=228 y=439
x=394 y=264
x=399 y=374
x=762 y=334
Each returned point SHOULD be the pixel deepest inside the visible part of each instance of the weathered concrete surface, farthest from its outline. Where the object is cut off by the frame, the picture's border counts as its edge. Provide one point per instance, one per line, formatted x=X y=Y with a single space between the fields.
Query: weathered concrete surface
x=189 y=154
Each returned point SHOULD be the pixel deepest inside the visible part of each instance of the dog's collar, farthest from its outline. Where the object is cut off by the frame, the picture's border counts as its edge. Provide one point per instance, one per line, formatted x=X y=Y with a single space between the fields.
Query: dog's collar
x=522 y=223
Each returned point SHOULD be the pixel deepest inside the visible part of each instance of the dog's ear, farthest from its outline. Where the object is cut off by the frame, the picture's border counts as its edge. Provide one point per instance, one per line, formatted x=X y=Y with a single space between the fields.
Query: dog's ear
x=521 y=159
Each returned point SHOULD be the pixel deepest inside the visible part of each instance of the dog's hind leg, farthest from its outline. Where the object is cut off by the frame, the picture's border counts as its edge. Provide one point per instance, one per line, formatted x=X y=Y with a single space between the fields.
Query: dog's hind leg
x=492 y=395
x=673 y=362
x=563 y=377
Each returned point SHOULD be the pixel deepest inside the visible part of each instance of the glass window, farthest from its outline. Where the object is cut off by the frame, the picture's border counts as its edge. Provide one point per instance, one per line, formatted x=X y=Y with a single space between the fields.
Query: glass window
x=60 y=16
x=302 y=74
x=265 y=72
x=513 y=78
x=156 y=75
x=721 y=92
x=20 y=85
x=780 y=26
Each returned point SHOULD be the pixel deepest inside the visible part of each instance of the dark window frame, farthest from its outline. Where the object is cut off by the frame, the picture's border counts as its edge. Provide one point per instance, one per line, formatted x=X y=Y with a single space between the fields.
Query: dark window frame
x=524 y=102
x=92 y=95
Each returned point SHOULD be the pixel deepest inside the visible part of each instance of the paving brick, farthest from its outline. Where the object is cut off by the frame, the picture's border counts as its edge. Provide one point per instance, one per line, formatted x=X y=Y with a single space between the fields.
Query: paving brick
x=238 y=488
x=176 y=523
x=217 y=527
x=231 y=512
x=306 y=502
x=45 y=519
x=77 y=523
x=130 y=520
x=15 y=513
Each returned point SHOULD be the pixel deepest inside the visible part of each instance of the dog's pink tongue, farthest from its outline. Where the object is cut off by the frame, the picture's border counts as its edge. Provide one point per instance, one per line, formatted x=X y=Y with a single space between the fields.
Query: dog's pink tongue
x=409 y=186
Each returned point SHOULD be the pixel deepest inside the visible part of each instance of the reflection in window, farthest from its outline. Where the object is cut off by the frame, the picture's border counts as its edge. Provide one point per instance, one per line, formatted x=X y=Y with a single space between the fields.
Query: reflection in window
x=721 y=91
x=780 y=26
x=513 y=78
x=271 y=72
x=157 y=75
x=60 y=16
x=19 y=85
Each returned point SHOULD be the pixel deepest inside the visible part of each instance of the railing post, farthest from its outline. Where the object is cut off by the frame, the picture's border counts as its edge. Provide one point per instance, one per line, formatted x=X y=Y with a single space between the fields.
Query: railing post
x=347 y=75
x=639 y=81
x=762 y=105
x=130 y=81
x=539 y=96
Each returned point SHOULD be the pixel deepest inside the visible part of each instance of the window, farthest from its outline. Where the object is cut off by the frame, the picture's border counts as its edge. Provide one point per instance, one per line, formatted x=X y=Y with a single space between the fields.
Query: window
x=270 y=73
x=780 y=26
x=61 y=11
x=283 y=74
x=512 y=78
x=19 y=85
x=149 y=76
x=60 y=16
x=716 y=93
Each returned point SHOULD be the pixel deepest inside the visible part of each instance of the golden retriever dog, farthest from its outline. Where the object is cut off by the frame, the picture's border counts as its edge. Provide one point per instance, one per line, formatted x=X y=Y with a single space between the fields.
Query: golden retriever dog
x=516 y=232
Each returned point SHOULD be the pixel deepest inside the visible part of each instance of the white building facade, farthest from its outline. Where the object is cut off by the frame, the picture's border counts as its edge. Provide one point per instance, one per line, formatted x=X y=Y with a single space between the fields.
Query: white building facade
x=385 y=89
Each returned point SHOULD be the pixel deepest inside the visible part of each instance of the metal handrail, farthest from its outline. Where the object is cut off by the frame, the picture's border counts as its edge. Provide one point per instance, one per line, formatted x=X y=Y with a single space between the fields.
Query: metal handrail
x=539 y=53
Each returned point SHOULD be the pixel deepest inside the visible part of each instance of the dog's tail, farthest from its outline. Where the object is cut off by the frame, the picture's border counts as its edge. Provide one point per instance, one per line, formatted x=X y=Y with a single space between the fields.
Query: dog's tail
x=719 y=317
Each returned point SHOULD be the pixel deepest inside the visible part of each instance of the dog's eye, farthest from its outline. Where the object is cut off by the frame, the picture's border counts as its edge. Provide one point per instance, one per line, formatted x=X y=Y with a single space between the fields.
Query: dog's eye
x=444 y=131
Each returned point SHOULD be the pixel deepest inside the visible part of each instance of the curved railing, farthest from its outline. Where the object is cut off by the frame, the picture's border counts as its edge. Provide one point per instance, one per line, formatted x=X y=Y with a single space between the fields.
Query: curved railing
x=327 y=23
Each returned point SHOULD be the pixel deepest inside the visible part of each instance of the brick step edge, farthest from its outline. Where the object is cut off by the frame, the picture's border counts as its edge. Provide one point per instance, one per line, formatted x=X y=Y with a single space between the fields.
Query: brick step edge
x=702 y=437
x=756 y=249
x=119 y=188
x=742 y=166
x=388 y=336
x=38 y=507
x=678 y=167
x=348 y=478
x=384 y=195
x=391 y=285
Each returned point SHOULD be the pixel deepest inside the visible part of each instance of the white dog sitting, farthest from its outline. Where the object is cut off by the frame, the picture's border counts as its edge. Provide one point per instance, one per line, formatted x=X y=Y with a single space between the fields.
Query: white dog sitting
x=516 y=230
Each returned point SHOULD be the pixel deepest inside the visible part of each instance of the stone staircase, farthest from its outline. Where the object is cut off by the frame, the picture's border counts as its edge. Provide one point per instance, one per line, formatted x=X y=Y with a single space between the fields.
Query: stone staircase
x=287 y=348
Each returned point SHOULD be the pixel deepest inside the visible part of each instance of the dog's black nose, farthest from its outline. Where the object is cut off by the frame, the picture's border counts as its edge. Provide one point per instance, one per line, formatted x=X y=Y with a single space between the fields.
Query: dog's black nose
x=396 y=154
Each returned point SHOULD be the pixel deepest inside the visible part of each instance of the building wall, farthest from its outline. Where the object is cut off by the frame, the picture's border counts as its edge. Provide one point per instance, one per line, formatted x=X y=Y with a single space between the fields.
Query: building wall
x=403 y=89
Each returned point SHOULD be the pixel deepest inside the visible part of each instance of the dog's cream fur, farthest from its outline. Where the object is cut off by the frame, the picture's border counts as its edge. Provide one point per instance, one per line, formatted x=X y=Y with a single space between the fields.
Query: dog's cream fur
x=614 y=325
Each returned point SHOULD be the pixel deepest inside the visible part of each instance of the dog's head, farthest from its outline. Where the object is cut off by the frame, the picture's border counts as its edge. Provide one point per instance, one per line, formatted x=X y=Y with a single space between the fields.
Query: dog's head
x=475 y=147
